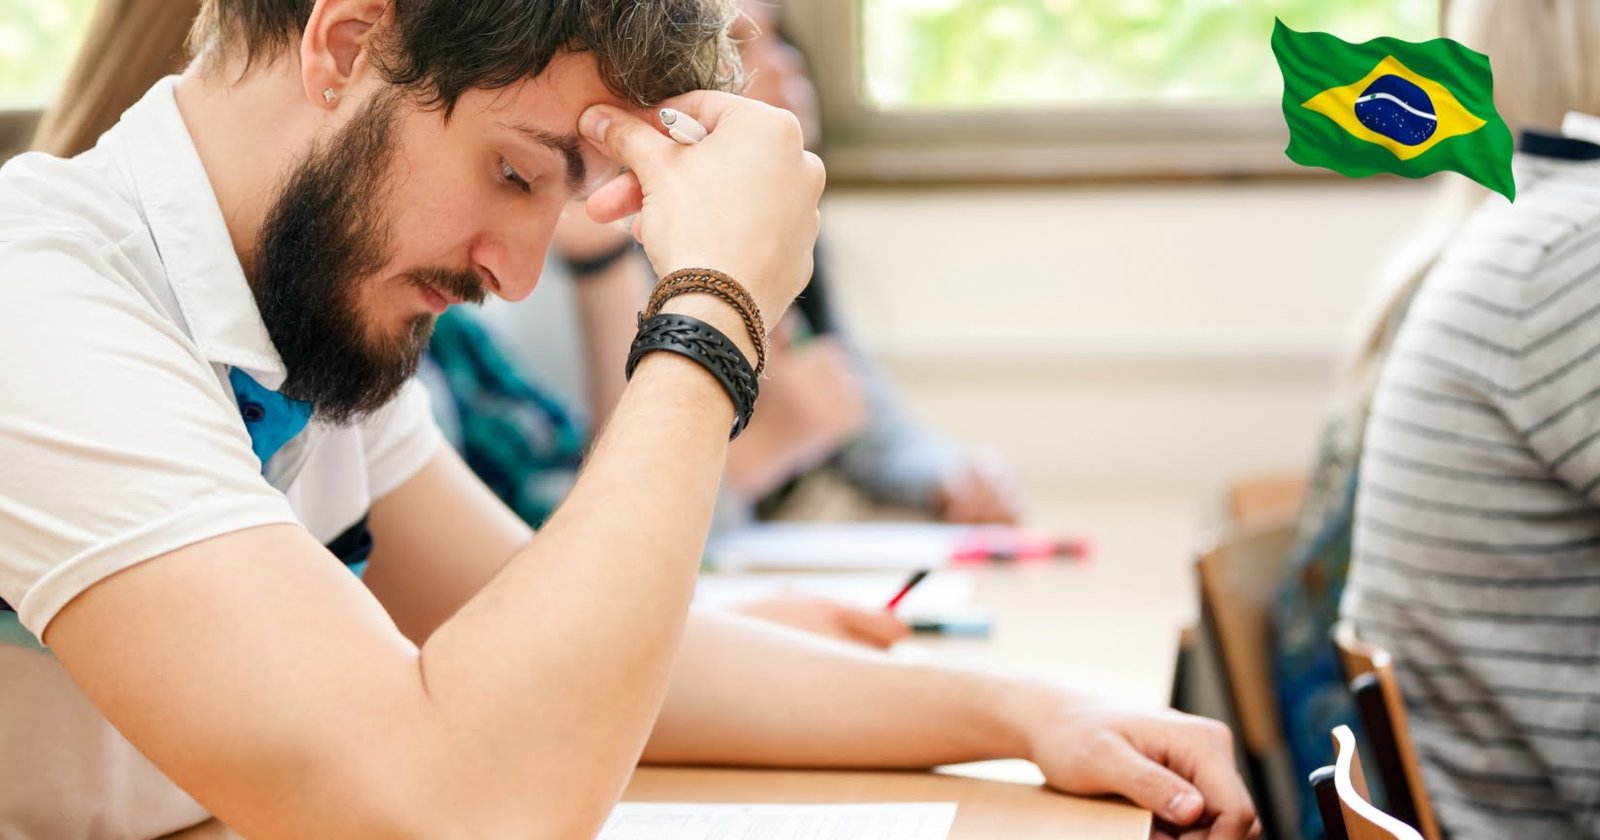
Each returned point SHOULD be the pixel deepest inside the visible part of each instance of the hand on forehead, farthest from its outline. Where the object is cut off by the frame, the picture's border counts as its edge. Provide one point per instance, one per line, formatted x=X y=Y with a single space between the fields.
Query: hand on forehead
x=544 y=111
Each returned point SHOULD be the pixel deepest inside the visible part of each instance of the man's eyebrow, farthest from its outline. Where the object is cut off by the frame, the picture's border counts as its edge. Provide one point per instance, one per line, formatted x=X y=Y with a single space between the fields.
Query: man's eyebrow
x=567 y=144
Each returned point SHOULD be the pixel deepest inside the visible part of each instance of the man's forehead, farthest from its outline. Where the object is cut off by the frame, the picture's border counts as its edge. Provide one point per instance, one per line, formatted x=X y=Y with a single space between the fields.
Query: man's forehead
x=545 y=109
x=587 y=167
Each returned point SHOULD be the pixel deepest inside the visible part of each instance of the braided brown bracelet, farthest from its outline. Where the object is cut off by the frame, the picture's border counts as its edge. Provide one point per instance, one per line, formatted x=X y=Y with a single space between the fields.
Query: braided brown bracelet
x=711 y=282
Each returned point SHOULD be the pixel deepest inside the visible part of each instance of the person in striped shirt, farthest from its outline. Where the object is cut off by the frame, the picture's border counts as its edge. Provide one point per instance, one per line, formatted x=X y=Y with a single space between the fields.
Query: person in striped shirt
x=1476 y=557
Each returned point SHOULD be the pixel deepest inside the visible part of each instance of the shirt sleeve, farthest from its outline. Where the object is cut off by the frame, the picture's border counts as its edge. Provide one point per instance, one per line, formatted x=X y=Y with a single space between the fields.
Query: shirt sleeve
x=894 y=459
x=118 y=442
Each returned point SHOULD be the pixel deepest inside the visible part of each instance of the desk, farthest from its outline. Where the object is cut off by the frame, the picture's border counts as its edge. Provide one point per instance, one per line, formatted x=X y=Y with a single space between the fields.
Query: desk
x=1110 y=625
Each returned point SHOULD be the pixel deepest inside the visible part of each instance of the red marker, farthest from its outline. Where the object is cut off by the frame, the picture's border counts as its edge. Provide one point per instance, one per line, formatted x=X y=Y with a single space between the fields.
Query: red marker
x=916 y=578
x=989 y=544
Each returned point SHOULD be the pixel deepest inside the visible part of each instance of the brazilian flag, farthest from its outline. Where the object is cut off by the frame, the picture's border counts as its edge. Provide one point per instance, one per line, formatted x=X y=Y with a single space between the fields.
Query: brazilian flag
x=1389 y=105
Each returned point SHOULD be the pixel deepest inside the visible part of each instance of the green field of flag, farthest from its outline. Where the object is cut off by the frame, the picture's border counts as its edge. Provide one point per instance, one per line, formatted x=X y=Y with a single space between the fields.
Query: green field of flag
x=1388 y=105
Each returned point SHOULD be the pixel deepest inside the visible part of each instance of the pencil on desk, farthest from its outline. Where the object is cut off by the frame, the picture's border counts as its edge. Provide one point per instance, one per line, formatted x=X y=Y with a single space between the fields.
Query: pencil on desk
x=916 y=578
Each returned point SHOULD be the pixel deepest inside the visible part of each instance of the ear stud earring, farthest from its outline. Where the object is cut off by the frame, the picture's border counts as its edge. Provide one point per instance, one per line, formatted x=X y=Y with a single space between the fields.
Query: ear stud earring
x=328 y=95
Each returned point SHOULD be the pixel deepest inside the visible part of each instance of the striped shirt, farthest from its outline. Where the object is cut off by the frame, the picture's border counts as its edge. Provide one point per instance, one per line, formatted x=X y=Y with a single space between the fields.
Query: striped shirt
x=1477 y=540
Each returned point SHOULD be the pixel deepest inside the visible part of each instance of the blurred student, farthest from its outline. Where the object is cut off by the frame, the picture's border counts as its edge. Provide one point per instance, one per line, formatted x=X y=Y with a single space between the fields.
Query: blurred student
x=127 y=46
x=1532 y=89
x=831 y=405
x=1476 y=557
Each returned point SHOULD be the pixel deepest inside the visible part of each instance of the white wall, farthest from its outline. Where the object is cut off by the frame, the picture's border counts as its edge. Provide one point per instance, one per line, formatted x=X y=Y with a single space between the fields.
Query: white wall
x=1118 y=336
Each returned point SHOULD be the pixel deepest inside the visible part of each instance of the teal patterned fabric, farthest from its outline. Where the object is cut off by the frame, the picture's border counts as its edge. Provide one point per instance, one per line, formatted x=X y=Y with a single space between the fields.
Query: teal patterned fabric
x=1311 y=692
x=516 y=437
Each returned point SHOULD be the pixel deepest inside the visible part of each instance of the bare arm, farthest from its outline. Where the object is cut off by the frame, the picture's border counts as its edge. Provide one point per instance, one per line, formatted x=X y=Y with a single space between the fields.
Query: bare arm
x=607 y=303
x=529 y=701
x=745 y=692
x=440 y=537
x=859 y=708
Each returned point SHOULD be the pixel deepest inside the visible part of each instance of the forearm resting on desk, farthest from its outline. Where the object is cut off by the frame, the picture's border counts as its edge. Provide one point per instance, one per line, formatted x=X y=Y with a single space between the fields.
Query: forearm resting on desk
x=827 y=704
x=746 y=693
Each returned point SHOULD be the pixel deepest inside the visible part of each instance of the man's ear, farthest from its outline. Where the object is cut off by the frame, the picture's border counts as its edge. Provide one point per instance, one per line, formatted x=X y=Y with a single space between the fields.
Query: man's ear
x=334 y=47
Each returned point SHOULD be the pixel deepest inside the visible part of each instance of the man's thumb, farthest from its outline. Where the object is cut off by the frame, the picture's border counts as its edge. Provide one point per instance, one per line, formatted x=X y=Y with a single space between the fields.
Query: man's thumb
x=626 y=139
x=1153 y=787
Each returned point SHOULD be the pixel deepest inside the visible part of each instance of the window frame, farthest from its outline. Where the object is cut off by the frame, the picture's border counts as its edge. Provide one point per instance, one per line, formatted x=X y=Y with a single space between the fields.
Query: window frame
x=871 y=145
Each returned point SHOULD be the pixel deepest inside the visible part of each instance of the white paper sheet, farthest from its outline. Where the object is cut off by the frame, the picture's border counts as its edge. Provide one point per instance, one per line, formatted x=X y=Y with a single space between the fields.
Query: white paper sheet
x=945 y=592
x=733 y=821
x=848 y=546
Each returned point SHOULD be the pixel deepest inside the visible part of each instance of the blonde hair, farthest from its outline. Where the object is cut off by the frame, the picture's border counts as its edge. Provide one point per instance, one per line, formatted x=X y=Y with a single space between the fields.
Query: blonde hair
x=1544 y=54
x=129 y=45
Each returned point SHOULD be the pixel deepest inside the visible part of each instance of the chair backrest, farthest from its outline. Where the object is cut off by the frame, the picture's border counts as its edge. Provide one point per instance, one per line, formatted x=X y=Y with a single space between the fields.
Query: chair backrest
x=1265 y=498
x=1362 y=819
x=1237 y=577
x=1327 y=796
x=1381 y=707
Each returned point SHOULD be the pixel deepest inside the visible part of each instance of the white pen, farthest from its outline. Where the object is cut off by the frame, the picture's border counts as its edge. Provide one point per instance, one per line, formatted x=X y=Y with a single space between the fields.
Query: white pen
x=681 y=127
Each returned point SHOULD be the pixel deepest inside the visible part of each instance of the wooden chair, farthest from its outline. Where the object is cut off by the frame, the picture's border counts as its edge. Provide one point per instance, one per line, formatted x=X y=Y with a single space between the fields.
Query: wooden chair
x=1327 y=796
x=1237 y=576
x=1265 y=498
x=1381 y=709
x=1362 y=819
x=1253 y=501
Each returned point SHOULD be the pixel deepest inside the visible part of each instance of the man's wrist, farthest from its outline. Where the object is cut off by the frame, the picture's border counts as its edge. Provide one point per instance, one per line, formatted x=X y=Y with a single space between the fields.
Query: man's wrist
x=682 y=334
x=1022 y=709
x=716 y=313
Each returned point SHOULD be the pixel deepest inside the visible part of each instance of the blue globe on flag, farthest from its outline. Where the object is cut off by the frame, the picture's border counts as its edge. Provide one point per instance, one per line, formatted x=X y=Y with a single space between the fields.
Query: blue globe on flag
x=1397 y=109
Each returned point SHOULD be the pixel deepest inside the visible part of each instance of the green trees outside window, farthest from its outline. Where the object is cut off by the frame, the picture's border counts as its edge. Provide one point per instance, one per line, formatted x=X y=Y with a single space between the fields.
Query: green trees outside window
x=1060 y=53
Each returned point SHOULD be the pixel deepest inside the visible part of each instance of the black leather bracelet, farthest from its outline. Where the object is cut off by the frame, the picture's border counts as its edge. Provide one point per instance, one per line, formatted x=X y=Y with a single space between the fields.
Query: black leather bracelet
x=705 y=344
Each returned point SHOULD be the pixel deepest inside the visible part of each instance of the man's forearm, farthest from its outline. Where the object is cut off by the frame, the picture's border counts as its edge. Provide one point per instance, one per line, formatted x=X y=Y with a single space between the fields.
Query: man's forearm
x=572 y=642
x=747 y=692
x=607 y=303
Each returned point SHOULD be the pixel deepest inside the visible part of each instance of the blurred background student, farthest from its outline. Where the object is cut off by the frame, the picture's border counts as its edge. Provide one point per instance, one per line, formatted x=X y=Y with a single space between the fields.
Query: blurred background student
x=1477 y=535
x=1541 y=53
x=126 y=47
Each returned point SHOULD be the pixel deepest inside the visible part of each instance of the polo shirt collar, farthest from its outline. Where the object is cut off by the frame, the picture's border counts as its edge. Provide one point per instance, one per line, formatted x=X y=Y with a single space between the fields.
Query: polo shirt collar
x=186 y=222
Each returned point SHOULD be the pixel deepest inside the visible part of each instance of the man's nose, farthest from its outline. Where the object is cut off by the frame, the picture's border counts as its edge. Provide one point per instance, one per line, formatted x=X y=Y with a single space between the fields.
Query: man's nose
x=512 y=271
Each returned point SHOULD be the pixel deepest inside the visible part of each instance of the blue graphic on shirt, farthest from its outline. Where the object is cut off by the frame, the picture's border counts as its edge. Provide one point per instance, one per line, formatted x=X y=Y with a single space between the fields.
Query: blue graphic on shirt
x=271 y=418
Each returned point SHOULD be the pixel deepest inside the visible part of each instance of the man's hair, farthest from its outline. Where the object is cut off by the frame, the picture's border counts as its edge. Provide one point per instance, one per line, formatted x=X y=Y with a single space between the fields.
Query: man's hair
x=648 y=50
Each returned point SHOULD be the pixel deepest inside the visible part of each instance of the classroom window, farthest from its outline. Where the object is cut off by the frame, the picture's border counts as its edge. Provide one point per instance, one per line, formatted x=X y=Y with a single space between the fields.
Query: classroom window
x=961 y=90
x=1068 y=53
x=37 y=41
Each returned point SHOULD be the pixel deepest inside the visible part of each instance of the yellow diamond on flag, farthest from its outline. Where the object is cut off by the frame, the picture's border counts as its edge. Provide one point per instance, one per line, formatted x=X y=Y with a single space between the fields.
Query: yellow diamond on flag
x=1339 y=104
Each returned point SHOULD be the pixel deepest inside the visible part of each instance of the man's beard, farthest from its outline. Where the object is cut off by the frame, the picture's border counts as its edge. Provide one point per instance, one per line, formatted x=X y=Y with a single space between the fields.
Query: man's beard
x=323 y=238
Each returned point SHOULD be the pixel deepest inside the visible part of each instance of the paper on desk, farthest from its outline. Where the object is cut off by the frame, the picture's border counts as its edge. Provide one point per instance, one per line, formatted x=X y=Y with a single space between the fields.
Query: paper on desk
x=836 y=546
x=734 y=821
x=943 y=593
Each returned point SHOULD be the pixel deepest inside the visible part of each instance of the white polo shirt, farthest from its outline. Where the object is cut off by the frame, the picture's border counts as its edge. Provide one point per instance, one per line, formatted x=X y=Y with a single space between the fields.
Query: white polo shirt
x=123 y=309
